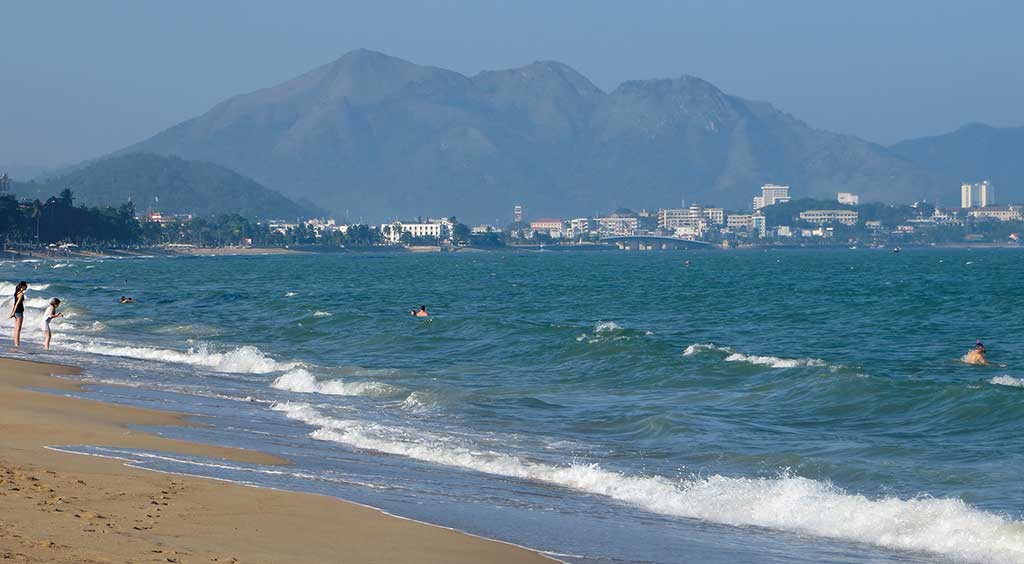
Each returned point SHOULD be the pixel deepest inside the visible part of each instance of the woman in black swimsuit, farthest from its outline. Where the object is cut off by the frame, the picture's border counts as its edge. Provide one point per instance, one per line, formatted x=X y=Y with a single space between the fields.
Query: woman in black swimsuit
x=18 y=310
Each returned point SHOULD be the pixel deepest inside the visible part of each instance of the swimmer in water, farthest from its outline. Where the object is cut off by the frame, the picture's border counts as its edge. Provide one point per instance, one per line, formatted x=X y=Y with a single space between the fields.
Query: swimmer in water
x=422 y=312
x=127 y=300
x=976 y=355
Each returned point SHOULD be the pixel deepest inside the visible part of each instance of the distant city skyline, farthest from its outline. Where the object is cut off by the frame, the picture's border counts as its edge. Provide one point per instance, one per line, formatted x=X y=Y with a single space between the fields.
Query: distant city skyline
x=83 y=80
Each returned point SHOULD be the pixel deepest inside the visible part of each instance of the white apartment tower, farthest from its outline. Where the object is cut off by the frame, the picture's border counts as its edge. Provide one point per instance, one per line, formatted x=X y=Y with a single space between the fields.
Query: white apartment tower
x=771 y=194
x=517 y=214
x=977 y=195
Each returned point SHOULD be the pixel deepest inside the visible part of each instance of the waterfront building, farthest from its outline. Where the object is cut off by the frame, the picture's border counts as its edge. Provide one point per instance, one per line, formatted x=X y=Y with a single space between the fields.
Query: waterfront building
x=739 y=221
x=999 y=213
x=946 y=216
x=688 y=232
x=759 y=224
x=771 y=194
x=873 y=225
x=392 y=232
x=976 y=195
x=693 y=216
x=715 y=216
x=846 y=217
x=281 y=226
x=848 y=198
x=517 y=214
x=617 y=226
x=579 y=227
x=553 y=227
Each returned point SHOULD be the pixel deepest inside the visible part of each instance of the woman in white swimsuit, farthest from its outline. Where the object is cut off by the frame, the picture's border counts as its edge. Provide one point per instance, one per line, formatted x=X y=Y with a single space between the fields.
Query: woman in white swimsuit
x=50 y=315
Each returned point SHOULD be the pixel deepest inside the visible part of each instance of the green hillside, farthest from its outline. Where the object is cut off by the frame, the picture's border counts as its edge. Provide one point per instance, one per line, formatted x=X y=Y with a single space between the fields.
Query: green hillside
x=167 y=184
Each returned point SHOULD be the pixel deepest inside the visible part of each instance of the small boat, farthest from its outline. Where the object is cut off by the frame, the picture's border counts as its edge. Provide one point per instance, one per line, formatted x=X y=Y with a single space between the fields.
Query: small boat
x=895 y=249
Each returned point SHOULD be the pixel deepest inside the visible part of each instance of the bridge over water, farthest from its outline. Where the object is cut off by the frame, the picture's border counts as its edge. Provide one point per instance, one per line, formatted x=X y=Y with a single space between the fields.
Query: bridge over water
x=655 y=243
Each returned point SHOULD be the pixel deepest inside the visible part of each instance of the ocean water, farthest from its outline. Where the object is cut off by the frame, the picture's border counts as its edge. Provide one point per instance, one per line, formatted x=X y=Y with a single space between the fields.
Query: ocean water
x=755 y=406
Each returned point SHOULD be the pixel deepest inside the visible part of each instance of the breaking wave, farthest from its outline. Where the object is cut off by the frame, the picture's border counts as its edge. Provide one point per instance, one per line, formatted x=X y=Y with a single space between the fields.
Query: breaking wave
x=770 y=361
x=300 y=380
x=1007 y=381
x=241 y=360
x=790 y=503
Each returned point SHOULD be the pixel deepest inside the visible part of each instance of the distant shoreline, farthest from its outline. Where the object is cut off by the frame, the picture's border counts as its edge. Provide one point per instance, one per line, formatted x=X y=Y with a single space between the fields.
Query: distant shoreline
x=426 y=249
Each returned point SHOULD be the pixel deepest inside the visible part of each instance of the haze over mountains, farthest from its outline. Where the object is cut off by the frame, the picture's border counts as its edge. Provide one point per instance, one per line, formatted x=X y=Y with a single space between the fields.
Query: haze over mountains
x=372 y=136
x=166 y=184
x=974 y=152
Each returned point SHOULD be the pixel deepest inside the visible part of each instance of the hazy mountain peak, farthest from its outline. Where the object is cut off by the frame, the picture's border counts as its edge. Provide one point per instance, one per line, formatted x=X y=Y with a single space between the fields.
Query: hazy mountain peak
x=553 y=73
x=381 y=136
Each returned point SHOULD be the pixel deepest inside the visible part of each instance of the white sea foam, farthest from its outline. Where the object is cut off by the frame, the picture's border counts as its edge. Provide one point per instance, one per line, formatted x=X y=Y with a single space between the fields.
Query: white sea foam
x=774 y=361
x=604 y=330
x=733 y=356
x=1006 y=380
x=322 y=314
x=697 y=348
x=242 y=360
x=416 y=402
x=947 y=527
x=607 y=327
x=302 y=381
x=290 y=294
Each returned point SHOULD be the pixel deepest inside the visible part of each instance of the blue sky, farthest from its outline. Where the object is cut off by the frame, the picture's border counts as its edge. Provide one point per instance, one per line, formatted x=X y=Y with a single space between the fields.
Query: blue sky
x=80 y=79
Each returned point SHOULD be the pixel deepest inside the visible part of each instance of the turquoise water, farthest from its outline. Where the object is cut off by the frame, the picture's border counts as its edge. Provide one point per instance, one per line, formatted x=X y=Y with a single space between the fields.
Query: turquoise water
x=761 y=406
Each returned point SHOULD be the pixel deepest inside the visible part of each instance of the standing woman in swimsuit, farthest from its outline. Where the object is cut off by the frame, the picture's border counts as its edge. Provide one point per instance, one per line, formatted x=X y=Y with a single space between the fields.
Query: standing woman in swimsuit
x=18 y=310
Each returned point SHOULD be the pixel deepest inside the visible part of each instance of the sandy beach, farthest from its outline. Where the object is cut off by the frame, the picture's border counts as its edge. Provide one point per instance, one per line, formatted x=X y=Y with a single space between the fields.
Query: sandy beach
x=69 y=508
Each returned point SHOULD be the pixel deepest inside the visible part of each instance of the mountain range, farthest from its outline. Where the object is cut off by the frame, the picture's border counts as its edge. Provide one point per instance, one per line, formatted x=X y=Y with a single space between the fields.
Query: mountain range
x=374 y=136
x=168 y=184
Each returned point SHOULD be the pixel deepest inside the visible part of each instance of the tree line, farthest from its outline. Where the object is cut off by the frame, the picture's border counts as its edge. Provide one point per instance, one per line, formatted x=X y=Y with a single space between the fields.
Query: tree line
x=59 y=220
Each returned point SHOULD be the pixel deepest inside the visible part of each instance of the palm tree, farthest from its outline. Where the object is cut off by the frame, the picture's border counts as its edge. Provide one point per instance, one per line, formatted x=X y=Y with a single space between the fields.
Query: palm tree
x=37 y=214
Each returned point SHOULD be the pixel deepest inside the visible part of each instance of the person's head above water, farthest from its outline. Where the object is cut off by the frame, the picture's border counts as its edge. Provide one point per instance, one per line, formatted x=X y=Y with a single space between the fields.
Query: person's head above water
x=423 y=308
x=978 y=345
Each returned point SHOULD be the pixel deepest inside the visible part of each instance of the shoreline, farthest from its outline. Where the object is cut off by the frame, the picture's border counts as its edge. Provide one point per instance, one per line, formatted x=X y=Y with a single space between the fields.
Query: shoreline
x=69 y=507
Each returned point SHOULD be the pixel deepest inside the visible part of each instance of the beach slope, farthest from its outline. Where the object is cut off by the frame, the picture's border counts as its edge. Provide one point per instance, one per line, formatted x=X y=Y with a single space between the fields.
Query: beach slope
x=61 y=507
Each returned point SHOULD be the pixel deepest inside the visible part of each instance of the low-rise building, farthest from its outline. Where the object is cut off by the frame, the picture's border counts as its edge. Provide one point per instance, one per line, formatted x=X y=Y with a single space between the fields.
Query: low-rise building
x=738 y=221
x=392 y=232
x=281 y=226
x=946 y=217
x=715 y=216
x=616 y=226
x=580 y=227
x=999 y=213
x=552 y=227
x=482 y=229
x=163 y=218
x=693 y=218
x=848 y=198
x=846 y=217
x=688 y=232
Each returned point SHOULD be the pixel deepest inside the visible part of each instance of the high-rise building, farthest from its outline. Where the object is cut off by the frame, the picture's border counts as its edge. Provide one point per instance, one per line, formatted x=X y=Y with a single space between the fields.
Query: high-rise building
x=977 y=195
x=771 y=194
x=517 y=214
x=848 y=198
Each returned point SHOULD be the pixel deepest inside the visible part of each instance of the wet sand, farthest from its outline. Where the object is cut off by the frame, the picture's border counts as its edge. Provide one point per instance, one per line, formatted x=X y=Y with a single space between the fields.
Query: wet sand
x=69 y=508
